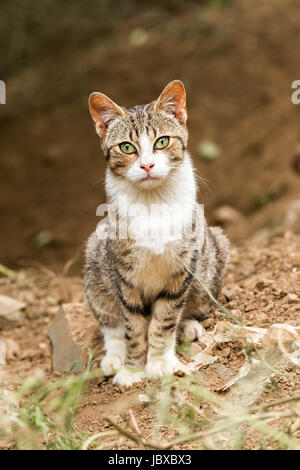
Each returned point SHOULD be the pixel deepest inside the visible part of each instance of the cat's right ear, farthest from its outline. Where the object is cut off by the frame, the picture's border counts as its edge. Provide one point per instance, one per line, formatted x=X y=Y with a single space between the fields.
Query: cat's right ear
x=103 y=110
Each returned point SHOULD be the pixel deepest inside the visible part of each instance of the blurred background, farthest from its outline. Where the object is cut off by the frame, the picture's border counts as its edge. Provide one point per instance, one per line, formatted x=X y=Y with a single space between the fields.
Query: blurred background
x=237 y=60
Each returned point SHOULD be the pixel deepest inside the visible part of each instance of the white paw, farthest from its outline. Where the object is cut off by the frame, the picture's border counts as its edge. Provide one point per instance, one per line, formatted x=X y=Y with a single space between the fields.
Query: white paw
x=111 y=363
x=192 y=330
x=158 y=366
x=128 y=376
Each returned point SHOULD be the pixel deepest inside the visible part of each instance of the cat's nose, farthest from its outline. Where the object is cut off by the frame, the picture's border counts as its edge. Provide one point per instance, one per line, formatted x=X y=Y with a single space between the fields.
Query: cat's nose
x=147 y=166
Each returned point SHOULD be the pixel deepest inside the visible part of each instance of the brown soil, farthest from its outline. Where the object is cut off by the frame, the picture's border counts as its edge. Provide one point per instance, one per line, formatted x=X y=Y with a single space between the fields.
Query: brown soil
x=259 y=279
x=237 y=63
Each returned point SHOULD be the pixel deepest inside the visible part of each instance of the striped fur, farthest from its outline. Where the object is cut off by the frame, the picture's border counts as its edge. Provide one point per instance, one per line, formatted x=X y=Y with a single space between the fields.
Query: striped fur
x=142 y=291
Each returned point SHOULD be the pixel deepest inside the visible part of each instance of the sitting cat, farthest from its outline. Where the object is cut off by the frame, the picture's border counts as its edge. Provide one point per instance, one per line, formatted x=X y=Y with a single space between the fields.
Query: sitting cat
x=141 y=287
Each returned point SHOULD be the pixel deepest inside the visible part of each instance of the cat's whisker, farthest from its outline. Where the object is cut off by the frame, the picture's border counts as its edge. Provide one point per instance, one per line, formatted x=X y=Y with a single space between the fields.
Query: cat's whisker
x=101 y=180
x=204 y=183
x=140 y=293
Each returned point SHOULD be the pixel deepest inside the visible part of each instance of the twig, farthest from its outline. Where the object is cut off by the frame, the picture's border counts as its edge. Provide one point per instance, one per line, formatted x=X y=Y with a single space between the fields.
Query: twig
x=126 y=433
x=134 y=423
x=137 y=439
x=281 y=402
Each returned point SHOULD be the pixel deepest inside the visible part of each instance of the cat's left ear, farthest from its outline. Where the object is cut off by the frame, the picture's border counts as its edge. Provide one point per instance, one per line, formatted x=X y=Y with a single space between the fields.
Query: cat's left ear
x=173 y=100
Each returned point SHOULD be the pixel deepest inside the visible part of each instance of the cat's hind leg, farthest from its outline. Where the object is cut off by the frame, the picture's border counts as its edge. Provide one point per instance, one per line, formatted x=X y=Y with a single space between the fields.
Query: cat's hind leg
x=190 y=331
x=198 y=307
x=211 y=270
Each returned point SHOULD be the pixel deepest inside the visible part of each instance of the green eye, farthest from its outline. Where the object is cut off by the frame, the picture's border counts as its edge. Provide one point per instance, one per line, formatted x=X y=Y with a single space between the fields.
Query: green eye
x=161 y=143
x=127 y=147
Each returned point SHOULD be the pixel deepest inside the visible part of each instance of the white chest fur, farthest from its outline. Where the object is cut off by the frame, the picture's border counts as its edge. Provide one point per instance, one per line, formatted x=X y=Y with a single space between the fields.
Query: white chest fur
x=155 y=217
x=156 y=220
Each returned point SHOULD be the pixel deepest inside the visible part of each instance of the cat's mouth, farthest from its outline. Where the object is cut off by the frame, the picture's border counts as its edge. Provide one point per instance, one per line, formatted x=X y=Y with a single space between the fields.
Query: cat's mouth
x=149 y=178
x=150 y=181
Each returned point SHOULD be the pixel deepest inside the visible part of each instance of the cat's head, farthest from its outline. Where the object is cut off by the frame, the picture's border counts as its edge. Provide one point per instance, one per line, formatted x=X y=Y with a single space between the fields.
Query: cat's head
x=144 y=144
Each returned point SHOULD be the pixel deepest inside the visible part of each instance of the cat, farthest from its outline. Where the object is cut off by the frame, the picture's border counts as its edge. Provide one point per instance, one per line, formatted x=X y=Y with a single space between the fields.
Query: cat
x=143 y=288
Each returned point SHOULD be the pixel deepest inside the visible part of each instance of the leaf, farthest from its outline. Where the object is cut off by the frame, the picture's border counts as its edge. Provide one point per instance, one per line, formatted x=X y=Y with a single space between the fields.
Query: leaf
x=7 y=272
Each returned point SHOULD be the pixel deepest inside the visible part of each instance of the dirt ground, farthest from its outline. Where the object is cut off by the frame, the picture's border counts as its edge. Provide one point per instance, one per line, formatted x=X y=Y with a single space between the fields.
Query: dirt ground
x=260 y=278
x=238 y=64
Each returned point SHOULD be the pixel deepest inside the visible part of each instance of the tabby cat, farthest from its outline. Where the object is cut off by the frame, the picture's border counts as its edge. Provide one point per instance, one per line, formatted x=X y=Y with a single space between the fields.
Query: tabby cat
x=141 y=287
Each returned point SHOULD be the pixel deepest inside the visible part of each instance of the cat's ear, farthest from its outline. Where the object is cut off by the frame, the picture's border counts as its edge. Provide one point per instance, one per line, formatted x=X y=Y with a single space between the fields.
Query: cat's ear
x=173 y=100
x=103 y=110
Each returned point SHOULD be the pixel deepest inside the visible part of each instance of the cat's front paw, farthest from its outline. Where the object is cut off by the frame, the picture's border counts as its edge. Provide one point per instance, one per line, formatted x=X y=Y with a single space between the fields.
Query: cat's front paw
x=128 y=376
x=191 y=330
x=111 y=363
x=158 y=366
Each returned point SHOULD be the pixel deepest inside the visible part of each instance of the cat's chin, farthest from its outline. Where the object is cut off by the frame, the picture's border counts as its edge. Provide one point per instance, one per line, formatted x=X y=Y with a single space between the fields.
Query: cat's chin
x=149 y=183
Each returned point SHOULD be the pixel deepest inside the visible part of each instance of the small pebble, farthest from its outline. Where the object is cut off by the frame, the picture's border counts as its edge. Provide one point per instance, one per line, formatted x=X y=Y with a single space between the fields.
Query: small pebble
x=225 y=352
x=292 y=299
x=179 y=373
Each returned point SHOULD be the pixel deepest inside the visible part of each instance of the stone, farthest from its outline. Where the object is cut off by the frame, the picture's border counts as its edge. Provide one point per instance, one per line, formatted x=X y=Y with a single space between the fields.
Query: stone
x=229 y=294
x=2 y=353
x=226 y=216
x=208 y=322
x=281 y=333
x=195 y=349
x=225 y=352
x=72 y=333
x=144 y=398
x=10 y=312
x=202 y=359
x=179 y=373
x=293 y=299
x=13 y=350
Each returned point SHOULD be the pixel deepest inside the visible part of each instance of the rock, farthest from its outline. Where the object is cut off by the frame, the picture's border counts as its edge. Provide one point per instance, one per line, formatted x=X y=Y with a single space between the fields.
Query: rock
x=292 y=299
x=144 y=398
x=73 y=331
x=226 y=215
x=229 y=294
x=223 y=331
x=13 y=350
x=2 y=353
x=202 y=359
x=281 y=333
x=10 y=312
x=179 y=373
x=195 y=348
x=262 y=284
x=208 y=322
x=225 y=352
x=288 y=220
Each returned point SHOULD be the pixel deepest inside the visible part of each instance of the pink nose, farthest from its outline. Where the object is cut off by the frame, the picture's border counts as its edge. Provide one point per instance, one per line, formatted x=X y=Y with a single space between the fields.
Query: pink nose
x=147 y=167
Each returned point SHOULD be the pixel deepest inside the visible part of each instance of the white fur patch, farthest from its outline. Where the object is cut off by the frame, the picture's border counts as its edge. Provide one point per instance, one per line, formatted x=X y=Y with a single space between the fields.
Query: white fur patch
x=128 y=376
x=151 y=227
x=178 y=188
x=115 y=346
x=159 y=365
